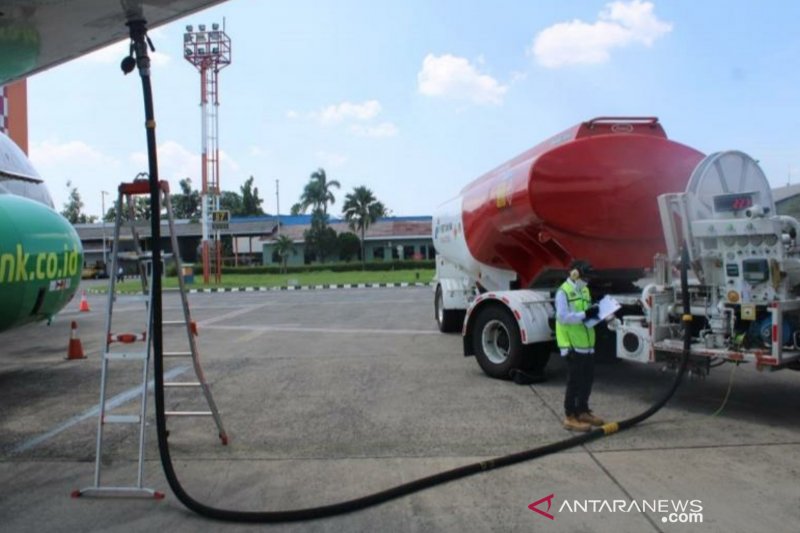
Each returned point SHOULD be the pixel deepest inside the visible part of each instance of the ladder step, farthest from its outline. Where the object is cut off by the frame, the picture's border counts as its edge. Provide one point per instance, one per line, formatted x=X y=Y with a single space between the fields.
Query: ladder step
x=192 y=324
x=188 y=413
x=182 y=384
x=128 y=492
x=126 y=356
x=121 y=419
x=177 y=354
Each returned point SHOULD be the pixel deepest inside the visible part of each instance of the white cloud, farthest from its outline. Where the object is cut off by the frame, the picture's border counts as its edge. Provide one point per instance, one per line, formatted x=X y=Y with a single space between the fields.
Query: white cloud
x=66 y=155
x=454 y=77
x=349 y=111
x=518 y=75
x=384 y=129
x=114 y=53
x=359 y=118
x=87 y=168
x=176 y=162
x=229 y=162
x=330 y=159
x=257 y=151
x=577 y=42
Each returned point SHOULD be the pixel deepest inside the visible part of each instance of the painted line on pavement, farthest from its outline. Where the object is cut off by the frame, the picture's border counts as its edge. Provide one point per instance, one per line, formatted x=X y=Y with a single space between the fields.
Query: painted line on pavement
x=111 y=403
x=327 y=330
x=232 y=314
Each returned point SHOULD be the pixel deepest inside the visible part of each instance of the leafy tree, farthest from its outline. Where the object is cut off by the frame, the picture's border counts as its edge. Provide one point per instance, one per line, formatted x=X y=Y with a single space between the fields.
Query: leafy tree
x=349 y=245
x=232 y=202
x=187 y=204
x=141 y=209
x=226 y=245
x=317 y=193
x=74 y=207
x=323 y=187
x=320 y=237
x=361 y=209
x=251 y=203
x=284 y=246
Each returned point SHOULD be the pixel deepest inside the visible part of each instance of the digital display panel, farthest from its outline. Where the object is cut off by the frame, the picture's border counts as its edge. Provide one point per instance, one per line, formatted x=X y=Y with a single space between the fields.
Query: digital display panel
x=727 y=203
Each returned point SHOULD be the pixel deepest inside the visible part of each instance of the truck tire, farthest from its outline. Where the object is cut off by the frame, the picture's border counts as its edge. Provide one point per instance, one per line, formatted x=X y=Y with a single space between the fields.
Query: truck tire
x=448 y=320
x=497 y=342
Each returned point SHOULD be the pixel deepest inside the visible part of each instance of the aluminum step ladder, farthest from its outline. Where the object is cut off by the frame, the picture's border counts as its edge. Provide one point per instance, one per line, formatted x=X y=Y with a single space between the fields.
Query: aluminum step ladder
x=127 y=194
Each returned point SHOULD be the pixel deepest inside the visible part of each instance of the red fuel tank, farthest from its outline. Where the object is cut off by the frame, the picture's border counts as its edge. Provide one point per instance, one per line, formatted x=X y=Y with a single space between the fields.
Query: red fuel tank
x=588 y=193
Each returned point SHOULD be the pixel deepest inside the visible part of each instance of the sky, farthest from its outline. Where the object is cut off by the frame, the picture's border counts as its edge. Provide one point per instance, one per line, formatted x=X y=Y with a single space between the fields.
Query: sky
x=414 y=99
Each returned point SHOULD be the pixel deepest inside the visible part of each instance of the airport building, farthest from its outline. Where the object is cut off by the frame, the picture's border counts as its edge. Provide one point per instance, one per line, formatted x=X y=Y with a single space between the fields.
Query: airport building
x=253 y=239
x=787 y=200
x=390 y=238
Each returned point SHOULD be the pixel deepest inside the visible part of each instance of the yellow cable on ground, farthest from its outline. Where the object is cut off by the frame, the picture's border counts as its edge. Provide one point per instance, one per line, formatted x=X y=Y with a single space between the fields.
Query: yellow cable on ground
x=728 y=392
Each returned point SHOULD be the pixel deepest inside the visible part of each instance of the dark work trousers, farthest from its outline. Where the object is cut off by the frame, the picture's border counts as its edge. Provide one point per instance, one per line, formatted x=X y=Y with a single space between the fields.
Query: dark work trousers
x=580 y=376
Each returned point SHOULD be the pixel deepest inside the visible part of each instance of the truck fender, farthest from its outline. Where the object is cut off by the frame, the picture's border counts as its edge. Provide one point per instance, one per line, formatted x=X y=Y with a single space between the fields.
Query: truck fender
x=532 y=309
x=455 y=293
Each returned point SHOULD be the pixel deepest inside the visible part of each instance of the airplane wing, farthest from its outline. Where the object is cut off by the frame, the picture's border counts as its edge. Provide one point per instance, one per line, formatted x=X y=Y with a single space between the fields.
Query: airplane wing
x=38 y=34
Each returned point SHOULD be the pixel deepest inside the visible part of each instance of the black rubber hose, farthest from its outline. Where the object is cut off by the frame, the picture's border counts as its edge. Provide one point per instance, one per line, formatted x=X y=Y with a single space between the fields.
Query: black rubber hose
x=407 y=488
x=138 y=35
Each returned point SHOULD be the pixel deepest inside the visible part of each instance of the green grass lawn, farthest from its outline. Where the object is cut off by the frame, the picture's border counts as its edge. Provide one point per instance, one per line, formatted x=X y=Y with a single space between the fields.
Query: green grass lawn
x=300 y=279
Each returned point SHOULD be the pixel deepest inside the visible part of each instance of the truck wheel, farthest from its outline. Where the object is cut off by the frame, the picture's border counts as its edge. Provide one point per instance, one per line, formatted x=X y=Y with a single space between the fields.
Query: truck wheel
x=448 y=320
x=497 y=343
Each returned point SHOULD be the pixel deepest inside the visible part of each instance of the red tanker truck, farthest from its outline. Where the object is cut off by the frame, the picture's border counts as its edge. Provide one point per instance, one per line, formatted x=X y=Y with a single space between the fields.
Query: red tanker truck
x=616 y=192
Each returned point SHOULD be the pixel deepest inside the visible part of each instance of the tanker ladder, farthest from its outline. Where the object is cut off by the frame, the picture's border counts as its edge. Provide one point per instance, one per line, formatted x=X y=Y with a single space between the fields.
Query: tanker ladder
x=127 y=194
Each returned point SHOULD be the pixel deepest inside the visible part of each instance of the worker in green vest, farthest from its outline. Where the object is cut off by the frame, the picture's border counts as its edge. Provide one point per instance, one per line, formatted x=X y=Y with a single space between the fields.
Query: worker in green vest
x=576 y=342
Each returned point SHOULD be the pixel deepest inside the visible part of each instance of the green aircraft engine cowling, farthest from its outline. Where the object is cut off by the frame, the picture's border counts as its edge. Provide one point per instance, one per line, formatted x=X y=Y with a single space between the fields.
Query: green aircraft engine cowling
x=41 y=260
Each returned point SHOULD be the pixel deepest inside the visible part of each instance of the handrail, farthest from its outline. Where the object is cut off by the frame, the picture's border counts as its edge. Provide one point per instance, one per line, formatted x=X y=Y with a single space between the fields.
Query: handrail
x=652 y=121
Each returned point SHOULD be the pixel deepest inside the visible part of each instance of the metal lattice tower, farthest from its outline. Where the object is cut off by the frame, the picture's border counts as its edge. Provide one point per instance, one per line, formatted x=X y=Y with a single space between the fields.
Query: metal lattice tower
x=209 y=52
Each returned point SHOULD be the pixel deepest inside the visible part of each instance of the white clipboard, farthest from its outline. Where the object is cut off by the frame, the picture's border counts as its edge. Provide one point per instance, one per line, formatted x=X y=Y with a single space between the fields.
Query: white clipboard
x=608 y=306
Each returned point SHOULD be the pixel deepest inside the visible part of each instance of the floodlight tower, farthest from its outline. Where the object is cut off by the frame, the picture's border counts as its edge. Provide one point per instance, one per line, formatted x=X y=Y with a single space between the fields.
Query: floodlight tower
x=209 y=52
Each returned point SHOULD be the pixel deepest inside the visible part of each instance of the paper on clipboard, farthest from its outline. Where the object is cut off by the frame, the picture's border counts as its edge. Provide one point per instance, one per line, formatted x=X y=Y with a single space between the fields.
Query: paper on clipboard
x=608 y=306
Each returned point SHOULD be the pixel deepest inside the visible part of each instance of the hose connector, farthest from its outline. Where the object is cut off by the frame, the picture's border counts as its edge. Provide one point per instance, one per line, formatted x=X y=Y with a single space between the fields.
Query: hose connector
x=609 y=428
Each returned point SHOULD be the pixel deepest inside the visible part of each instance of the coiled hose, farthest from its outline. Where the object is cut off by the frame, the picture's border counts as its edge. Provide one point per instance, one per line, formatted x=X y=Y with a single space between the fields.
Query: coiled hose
x=138 y=36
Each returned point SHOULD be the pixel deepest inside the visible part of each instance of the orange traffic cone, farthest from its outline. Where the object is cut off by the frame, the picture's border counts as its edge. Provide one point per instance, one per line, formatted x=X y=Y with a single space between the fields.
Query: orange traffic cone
x=75 y=350
x=84 y=307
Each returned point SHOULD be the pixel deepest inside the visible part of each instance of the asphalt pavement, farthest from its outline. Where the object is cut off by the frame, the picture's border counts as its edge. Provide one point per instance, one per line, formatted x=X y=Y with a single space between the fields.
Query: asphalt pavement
x=329 y=395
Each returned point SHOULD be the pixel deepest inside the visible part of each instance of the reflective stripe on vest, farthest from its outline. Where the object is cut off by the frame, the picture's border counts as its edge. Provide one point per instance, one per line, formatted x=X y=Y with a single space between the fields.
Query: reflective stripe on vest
x=575 y=336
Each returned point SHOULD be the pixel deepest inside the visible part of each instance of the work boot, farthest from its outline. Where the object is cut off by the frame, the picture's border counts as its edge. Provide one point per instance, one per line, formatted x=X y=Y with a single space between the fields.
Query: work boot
x=573 y=424
x=589 y=418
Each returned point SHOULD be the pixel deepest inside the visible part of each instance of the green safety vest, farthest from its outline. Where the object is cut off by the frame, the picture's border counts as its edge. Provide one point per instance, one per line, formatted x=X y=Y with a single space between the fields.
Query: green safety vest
x=575 y=335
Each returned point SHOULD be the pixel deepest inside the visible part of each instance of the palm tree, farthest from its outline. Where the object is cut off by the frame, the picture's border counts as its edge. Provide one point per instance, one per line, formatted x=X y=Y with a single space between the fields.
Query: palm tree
x=361 y=209
x=284 y=246
x=317 y=192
